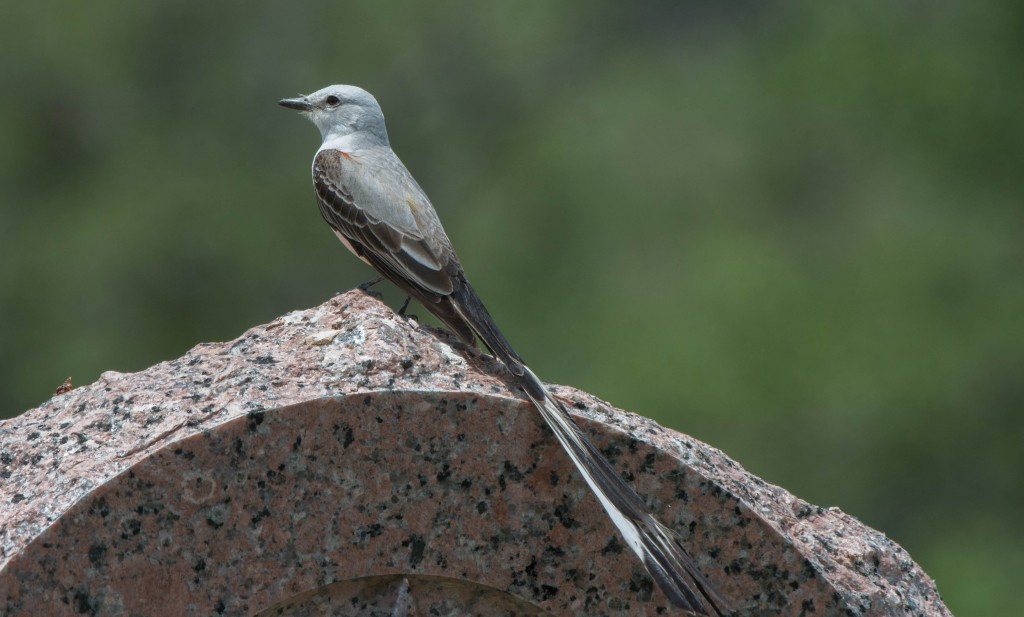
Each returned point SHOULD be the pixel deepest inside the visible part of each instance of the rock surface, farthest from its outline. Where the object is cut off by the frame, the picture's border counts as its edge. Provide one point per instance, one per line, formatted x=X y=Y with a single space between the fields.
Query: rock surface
x=344 y=460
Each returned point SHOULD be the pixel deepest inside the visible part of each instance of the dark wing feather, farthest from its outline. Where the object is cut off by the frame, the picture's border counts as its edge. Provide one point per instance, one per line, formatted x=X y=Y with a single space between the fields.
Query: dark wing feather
x=364 y=212
x=404 y=254
x=392 y=225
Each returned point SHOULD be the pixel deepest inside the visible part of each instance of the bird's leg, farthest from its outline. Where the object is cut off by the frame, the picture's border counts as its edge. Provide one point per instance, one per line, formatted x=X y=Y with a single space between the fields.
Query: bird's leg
x=365 y=287
x=405 y=305
x=370 y=283
x=402 y=313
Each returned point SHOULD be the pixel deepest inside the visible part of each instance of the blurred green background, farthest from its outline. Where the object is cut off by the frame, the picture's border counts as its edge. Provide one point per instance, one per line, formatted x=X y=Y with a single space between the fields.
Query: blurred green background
x=794 y=230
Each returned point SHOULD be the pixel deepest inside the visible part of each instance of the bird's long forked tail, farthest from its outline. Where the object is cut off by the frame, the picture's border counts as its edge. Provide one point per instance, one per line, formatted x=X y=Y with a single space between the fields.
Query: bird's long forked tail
x=656 y=545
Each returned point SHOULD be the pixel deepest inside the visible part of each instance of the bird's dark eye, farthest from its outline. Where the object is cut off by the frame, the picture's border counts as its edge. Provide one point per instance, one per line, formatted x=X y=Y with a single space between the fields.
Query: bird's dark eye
x=333 y=100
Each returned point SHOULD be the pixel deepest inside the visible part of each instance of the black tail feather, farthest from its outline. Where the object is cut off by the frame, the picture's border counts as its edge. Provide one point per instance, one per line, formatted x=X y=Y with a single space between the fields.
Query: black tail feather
x=657 y=546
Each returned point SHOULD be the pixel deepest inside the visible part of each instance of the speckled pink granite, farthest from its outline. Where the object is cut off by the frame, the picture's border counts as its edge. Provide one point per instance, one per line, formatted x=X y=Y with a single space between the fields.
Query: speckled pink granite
x=345 y=461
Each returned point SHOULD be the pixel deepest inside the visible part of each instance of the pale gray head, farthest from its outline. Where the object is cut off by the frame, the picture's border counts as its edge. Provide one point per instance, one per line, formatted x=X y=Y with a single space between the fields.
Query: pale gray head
x=341 y=110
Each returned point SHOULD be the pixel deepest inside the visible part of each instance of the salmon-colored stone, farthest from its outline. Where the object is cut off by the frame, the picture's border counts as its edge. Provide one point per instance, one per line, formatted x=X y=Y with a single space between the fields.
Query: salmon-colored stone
x=345 y=461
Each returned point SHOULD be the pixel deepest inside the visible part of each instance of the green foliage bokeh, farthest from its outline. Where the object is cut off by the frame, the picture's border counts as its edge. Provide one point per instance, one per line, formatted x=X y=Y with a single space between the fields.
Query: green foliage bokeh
x=793 y=230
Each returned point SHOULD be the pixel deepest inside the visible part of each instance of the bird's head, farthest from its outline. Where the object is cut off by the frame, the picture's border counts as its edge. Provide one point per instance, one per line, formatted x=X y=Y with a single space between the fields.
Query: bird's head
x=341 y=110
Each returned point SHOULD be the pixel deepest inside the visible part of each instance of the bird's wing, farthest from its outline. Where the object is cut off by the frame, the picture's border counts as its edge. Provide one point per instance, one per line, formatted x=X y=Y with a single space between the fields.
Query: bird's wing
x=387 y=219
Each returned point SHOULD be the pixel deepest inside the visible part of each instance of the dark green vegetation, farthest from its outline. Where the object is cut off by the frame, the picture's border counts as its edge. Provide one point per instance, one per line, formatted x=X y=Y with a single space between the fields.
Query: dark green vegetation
x=795 y=231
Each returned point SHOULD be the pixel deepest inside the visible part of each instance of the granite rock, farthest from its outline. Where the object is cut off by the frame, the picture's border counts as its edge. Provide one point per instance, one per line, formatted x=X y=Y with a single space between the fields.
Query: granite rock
x=344 y=460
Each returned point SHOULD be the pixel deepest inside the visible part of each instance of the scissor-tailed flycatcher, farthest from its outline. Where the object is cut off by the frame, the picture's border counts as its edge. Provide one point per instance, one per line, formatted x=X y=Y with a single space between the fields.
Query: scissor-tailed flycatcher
x=377 y=210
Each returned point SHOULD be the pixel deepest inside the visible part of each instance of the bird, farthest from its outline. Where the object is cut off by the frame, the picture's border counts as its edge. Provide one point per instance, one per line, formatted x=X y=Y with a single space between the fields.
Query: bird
x=380 y=213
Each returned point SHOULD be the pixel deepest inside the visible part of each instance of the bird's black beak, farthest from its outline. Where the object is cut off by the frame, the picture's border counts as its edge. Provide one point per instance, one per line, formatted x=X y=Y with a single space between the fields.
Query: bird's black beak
x=300 y=104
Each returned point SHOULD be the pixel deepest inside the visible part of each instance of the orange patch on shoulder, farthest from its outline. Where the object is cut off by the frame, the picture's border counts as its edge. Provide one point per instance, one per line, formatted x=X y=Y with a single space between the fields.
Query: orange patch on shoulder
x=344 y=154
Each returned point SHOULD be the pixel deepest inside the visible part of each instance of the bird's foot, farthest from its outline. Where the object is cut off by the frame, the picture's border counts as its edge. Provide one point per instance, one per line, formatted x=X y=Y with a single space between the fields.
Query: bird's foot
x=401 y=311
x=365 y=287
x=370 y=283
